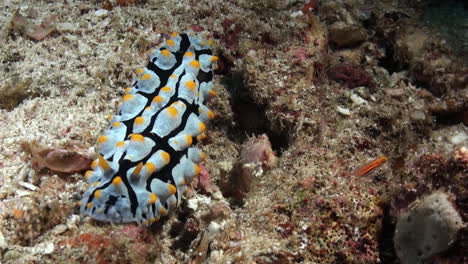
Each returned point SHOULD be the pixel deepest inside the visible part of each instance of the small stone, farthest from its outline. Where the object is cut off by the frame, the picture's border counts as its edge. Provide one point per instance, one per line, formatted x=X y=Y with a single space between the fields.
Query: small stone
x=101 y=13
x=297 y=14
x=73 y=221
x=60 y=229
x=357 y=99
x=418 y=115
x=343 y=111
x=214 y=228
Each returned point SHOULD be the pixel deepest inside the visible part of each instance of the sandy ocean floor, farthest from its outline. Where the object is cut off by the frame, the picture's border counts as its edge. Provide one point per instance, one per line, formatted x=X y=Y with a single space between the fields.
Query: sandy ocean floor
x=334 y=86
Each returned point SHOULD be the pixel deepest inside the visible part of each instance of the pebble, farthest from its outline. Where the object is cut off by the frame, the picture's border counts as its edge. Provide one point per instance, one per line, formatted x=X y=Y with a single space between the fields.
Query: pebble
x=343 y=111
x=346 y=35
x=214 y=228
x=297 y=14
x=357 y=99
x=418 y=115
x=72 y=222
x=60 y=229
x=101 y=13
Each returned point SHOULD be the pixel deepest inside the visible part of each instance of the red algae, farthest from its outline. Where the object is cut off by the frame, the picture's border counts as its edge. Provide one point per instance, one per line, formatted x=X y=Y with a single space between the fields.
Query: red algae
x=351 y=75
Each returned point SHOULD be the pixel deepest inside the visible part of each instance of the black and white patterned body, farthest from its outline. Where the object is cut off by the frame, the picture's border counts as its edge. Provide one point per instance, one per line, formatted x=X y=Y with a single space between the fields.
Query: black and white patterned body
x=147 y=156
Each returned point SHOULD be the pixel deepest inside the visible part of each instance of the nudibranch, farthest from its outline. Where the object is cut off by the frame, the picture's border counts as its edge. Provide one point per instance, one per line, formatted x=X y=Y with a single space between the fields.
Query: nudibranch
x=147 y=155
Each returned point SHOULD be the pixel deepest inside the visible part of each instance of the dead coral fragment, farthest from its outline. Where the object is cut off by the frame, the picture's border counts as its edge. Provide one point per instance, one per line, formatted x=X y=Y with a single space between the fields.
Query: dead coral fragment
x=26 y=27
x=256 y=156
x=58 y=160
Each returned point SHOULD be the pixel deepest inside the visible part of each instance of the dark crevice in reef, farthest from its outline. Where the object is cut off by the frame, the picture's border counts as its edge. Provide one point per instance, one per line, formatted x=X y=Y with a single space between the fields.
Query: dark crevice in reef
x=390 y=62
x=185 y=230
x=157 y=228
x=250 y=117
x=386 y=248
x=451 y=118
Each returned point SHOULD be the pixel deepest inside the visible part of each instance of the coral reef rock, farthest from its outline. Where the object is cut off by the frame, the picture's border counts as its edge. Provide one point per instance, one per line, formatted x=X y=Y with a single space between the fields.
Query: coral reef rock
x=427 y=228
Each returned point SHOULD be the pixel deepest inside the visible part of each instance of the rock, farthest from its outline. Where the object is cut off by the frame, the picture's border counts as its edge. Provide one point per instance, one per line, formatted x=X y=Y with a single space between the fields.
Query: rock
x=418 y=115
x=256 y=157
x=59 y=229
x=430 y=226
x=345 y=35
